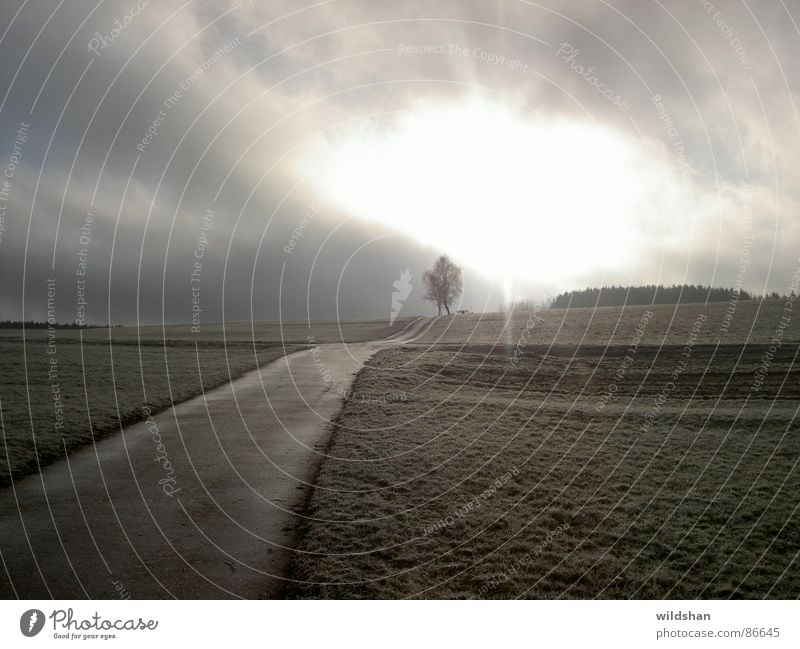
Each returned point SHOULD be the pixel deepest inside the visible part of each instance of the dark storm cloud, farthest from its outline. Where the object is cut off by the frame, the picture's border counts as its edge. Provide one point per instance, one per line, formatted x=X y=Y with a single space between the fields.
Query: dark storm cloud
x=189 y=113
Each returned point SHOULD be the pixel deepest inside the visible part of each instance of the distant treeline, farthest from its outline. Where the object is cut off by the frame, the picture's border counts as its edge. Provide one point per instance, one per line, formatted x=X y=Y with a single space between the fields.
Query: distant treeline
x=650 y=294
x=35 y=324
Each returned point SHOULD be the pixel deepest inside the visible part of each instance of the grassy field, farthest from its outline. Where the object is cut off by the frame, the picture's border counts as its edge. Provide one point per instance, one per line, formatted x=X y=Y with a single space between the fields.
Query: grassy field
x=750 y=322
x=288 y=332
x=538 y=471
x=104 y=378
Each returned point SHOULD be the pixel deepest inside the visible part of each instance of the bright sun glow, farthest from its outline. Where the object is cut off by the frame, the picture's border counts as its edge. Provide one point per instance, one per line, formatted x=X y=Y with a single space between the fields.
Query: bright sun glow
x=518 y=198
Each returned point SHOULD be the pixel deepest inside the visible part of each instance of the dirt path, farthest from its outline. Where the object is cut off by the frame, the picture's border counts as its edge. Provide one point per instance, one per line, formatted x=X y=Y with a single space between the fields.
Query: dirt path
x=200 y=501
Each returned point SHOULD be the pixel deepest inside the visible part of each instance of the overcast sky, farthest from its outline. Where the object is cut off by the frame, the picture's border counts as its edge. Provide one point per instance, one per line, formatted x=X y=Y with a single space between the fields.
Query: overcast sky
x=237 y=96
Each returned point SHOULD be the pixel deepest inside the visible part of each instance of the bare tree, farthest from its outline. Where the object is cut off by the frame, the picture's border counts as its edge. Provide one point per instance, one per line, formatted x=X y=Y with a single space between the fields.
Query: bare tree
x=432 y=290
x=443 y=283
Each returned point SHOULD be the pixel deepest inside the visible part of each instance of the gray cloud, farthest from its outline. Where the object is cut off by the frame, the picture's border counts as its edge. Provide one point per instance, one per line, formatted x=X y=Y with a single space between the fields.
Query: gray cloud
x=727 y=76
